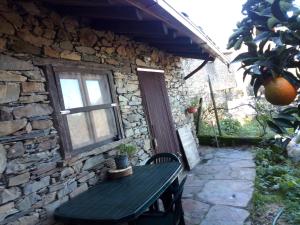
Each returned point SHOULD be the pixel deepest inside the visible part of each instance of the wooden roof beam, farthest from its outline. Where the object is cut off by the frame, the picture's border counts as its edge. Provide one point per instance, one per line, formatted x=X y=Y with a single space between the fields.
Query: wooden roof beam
x=177 y=40
x=178 y=47
x=133 y=28
x=203 y=56
x=109 y=12
x=92 y=3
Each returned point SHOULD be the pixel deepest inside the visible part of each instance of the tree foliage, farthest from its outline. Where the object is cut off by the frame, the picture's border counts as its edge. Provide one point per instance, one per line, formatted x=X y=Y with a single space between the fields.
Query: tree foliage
x=271 y=32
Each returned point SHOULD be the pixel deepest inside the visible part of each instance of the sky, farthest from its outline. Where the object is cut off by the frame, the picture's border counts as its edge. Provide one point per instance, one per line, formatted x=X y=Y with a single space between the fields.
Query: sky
x=218 y=18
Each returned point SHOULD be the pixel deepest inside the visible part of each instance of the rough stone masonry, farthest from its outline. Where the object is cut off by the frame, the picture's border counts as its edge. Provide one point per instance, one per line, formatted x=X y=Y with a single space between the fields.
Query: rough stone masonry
x=34 y=178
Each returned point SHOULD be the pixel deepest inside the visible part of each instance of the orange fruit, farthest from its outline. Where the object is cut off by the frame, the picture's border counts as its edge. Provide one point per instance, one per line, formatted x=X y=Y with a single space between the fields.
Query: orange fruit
x=279 y=91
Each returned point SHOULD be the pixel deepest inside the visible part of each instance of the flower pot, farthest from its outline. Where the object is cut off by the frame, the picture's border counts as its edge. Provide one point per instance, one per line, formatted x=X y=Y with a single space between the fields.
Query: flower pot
x=192 y=109
x=121 y=161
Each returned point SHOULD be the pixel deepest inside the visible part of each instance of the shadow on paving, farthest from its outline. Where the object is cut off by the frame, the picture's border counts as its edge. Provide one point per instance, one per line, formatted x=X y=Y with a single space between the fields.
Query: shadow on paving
x=219 y=189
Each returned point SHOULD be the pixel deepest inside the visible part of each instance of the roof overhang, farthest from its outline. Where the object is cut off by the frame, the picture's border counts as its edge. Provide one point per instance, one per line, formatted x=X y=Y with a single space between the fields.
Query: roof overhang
x=154 y=22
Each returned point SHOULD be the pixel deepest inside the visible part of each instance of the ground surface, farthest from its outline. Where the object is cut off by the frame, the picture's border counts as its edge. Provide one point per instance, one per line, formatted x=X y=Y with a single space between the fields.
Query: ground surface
x=219 y=189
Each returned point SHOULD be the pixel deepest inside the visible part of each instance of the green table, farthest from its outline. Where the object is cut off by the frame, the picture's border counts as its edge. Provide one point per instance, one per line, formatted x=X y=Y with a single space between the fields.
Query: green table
x=120 y=200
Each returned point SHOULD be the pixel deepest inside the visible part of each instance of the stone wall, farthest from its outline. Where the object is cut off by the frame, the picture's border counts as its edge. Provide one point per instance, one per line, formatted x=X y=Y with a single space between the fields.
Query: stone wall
x=34 y=178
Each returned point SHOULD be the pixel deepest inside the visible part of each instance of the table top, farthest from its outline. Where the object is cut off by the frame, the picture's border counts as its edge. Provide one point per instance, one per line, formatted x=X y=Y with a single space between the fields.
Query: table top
x=120 y=200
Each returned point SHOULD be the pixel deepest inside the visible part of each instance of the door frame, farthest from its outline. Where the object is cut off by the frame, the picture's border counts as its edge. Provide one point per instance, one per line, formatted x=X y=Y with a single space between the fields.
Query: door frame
x=168 y=109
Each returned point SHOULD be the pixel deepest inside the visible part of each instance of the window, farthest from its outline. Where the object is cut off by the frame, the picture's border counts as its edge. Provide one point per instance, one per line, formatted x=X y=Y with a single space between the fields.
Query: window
x=87 y=114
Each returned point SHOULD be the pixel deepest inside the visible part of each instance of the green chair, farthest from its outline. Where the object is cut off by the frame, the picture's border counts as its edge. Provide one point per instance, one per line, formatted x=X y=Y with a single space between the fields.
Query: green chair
x=174 y=215
x=162 y=158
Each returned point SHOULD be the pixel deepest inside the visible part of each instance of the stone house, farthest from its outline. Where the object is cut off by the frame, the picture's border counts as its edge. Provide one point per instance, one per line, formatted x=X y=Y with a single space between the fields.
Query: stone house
x=77 y=79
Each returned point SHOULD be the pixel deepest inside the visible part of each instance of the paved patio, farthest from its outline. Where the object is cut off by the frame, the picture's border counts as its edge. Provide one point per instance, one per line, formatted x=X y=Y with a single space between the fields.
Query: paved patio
x=219 y=190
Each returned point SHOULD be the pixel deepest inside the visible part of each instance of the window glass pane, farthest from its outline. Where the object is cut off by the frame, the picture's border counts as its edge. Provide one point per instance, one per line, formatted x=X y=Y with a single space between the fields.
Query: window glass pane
x=104 y=123
x=79 y=132
x=71 y=93
x=98 y=90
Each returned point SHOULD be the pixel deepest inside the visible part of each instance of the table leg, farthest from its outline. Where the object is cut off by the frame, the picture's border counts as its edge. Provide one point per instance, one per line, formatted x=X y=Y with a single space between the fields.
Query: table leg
x=167 y=196
x=181 y=221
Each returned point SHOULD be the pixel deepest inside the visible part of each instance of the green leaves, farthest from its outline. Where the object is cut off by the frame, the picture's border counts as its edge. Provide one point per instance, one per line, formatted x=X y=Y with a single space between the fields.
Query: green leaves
x=272 y=22
x=271 y=31
x=287 y=118
x=244 y=56
x=279 y=11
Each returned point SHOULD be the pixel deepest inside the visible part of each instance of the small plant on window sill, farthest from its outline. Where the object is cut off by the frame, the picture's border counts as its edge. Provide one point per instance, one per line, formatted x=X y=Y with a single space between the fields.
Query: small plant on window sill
x=193 y=108
x=125 y=151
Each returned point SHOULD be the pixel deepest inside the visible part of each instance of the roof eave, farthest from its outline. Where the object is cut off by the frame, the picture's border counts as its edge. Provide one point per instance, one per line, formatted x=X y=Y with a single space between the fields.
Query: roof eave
x=165 y=12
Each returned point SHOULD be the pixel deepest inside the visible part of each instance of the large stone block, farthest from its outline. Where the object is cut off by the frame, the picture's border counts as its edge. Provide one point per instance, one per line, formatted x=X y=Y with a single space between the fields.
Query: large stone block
x=9 y=194
x=33 y=98
x=88 y=37
x=9 y=92
x=19 y=179
x=2 y=44
x=66 y=45
x=28 y=87
x=10 y=63
x=41 y=124
x=48 y=51
x=28 y=220
x=79 y=190
x=6 y=113
x=11 y=76
x=67 y=189
x=34 y=40
x=85 y=50
x=37 y=185
x=70 y=55
x=32 y=110
x=16 y=150
x=12 y=126
x=71 y=24
x=24 y=47
x=14 y=18
x=92 y=162
x=6 y=210
x=3 y=159
x=6 y=27
x=16 y=166
x=86 y=176
x=34 y=75
x=90 y=58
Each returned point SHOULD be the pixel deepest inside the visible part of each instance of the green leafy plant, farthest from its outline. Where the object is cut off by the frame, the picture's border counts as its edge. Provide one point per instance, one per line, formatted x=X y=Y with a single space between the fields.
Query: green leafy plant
x=230 y=126
x=277 y=181
x=271 y=32
x=194 y=102
x=125 y=149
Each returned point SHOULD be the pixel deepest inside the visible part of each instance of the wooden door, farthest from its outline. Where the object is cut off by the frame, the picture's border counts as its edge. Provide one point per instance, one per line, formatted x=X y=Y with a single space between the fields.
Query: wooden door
x=158 y=112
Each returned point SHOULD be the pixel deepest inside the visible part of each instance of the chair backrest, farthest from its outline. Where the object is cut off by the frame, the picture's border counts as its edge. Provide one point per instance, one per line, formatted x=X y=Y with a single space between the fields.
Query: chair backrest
x=162 y=158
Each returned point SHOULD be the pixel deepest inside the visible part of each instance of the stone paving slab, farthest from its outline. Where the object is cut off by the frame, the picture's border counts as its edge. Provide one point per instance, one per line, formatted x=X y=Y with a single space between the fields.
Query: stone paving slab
x=227 y=192
x=225 y=215
x=218 y=189
x=195 y=211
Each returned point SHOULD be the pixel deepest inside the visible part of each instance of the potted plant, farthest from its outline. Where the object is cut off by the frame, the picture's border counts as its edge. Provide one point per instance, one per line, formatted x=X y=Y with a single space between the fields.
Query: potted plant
x=125 y=151
x=193 y=108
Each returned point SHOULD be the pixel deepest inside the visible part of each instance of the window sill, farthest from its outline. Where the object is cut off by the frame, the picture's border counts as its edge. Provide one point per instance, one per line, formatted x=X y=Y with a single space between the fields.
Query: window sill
x=96 y=151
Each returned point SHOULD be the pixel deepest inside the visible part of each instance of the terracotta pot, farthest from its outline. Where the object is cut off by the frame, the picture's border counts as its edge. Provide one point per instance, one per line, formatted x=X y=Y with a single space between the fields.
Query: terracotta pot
x=192 y=109
x=279 y=91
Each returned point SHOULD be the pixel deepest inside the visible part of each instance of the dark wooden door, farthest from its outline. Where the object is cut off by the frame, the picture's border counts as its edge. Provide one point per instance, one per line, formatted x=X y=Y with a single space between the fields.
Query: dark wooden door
x=157 y=107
